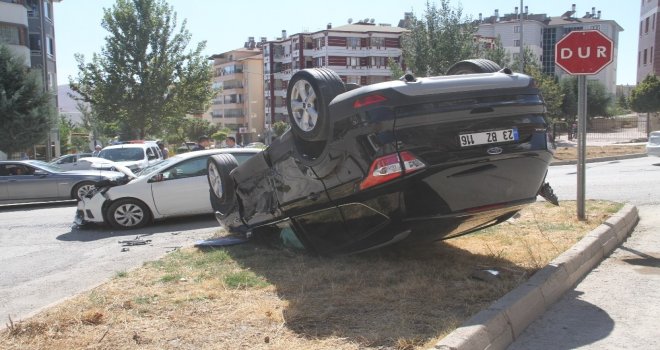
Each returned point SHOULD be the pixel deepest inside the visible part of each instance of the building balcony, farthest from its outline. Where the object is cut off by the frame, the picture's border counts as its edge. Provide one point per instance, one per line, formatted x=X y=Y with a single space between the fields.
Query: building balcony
x=13 y=13
x=225 y=77
x=280 y=93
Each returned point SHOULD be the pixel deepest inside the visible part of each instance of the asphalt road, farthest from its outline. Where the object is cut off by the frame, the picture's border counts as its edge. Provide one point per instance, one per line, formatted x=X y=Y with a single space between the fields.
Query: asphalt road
x=43 y=259
x=616 y=306
x=635 y=181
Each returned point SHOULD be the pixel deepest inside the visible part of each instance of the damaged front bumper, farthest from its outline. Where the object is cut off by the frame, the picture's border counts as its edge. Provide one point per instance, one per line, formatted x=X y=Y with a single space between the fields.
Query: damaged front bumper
x=90 y=210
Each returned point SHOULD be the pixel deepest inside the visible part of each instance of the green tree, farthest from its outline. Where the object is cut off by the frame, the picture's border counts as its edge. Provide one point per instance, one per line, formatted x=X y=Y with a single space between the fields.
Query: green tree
x=395 y=68
x=190 y=129
x=551 y=91
x=645 y=97
x=437 y=40
x=532 y=62
x=622 y=102
x=144 y=80
x=598 y=99
x=73 y=137
x=498 y=54
x=221 y=134
x=26 y=110
x=279 y=127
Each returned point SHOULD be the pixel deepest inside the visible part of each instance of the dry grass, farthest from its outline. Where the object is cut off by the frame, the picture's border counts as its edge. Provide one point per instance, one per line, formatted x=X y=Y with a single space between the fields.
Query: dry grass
x=570 y=153
x=264 y=297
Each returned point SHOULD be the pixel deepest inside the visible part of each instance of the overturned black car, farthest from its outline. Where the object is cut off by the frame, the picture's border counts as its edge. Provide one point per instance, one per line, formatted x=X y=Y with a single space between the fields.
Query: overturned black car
x=419 y=159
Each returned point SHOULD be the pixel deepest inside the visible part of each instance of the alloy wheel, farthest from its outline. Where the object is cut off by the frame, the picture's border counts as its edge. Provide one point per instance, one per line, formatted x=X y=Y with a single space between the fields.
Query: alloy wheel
x=215 y=180
x=303 y=105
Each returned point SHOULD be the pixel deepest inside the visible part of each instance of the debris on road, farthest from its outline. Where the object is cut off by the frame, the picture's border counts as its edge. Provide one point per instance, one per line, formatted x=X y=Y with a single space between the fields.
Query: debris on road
x=486 y=275
x=136 y=241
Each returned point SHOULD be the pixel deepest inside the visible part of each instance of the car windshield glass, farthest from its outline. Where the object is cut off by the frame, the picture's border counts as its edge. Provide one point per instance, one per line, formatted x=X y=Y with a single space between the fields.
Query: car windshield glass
x=655 y=139
x=46 y=166
x=158 y=165
x=122 y=154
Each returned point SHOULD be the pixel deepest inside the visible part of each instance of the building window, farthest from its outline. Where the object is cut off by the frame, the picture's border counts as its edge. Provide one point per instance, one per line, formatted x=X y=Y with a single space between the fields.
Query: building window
x=516 y=29
x=653 y=22
x=50 y=48
x=352 y=43
x=320 y=42
x=10 y=34
x=353 y=79
x=352 y=61
x=48 y=9
x=595 y=27
x=645 y=55
x=33 y=8
x=639 y=58
x=651 y=55
x=516 y=43
x=35 y=42
x=377 y=42
x=50 y=82
x=378 y=61
x=646 y=25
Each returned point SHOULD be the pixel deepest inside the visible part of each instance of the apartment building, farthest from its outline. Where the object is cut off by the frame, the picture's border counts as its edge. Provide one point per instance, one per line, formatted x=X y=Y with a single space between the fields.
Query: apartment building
x=541 y=32
x=649 y=40
x=358 y=52
x=239 y=102
x=26 y=27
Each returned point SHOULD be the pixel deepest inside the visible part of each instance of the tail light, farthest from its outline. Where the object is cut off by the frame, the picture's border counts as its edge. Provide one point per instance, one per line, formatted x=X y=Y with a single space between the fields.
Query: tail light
x=368 y=100
x=388 y=168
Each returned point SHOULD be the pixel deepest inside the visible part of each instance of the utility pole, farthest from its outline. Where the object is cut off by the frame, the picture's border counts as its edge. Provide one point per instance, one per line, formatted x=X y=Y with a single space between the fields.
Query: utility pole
x=522 y=47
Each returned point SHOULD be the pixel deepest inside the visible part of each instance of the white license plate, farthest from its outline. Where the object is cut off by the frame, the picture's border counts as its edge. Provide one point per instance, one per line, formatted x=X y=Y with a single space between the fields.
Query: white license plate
x=487 y=137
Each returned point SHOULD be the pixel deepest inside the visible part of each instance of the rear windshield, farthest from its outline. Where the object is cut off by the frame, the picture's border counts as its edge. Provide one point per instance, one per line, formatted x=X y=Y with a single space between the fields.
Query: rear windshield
x=122 y=154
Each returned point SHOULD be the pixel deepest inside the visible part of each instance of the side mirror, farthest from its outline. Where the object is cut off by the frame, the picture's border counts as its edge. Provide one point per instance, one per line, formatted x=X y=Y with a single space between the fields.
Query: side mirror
x=157 y=178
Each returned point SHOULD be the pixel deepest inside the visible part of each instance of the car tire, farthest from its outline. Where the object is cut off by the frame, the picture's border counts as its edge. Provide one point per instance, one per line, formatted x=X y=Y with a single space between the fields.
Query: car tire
x=81 y=189
x=128 y=213
x=307 y=98
x=473 y=66
x=222 y=191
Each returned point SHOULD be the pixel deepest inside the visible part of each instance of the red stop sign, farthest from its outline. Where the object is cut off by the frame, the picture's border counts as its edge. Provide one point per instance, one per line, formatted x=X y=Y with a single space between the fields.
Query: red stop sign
x=583 y=52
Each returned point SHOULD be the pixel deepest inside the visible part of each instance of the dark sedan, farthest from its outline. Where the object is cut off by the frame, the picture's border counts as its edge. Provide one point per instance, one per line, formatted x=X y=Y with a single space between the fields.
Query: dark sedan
x=24 y=181
x=419 y=159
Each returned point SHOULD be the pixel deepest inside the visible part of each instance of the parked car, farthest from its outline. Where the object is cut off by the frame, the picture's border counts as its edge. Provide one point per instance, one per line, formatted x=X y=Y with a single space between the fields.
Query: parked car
x=72 y=161
x=134 y=156
x=176 y=186
x=418 y=159
x=653 y=146
x=33 y=180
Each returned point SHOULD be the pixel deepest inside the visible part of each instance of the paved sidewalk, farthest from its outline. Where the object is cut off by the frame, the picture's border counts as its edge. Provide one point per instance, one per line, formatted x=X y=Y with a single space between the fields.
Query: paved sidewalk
x=616 y=306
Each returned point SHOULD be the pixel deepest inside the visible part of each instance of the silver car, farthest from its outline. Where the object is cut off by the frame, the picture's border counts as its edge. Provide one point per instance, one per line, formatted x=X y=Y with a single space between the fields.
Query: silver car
x=653 y=146
x=24 y=181
x=72 y=161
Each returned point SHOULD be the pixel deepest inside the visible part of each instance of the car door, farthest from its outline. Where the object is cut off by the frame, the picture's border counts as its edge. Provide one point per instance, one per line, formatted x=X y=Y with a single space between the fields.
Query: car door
x=182 y=189
x=4 y=180
x=33 y=184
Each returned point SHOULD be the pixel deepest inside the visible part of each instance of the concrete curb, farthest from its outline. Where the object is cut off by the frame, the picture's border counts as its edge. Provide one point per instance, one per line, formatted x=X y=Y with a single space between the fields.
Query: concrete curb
x=502 y=322
x=603 y=159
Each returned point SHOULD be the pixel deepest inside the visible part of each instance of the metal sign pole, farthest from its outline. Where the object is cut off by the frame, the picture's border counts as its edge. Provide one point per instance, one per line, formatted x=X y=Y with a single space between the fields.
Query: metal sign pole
x=582 y=144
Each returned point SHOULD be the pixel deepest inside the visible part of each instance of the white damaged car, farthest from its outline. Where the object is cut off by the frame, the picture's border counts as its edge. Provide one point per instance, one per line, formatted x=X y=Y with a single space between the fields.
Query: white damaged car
x=176 y=186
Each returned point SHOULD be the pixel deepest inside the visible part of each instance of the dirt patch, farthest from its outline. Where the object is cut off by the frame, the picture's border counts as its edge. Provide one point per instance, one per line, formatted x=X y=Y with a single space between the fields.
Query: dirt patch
x=570 y=153
x=265 y=297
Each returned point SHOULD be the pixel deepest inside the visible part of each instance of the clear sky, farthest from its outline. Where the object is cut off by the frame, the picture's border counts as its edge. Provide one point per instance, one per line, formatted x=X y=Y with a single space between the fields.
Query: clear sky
x=226 y=25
